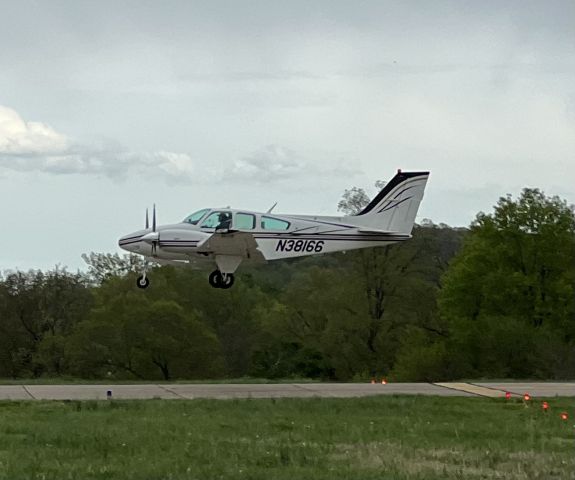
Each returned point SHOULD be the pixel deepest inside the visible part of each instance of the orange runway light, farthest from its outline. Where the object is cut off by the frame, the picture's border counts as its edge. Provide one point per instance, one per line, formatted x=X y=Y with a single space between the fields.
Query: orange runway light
x=526 y=397
x=507 y=395
x=545 y=406
x=383 y=381
x=373 y=381
x=564 y=416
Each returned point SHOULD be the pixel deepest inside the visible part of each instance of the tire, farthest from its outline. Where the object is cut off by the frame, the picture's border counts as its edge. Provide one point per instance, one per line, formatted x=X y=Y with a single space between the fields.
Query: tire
x=215 y=279
x=143 y=282
x=229 y=281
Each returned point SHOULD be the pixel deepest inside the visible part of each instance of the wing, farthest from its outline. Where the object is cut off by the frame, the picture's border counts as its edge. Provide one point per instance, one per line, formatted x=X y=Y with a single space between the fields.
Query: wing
x=233 y=243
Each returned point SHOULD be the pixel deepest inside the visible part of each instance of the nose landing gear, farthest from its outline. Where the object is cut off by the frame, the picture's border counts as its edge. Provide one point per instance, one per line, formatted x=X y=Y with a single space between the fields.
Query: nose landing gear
x=218 y=279
x=143 y=281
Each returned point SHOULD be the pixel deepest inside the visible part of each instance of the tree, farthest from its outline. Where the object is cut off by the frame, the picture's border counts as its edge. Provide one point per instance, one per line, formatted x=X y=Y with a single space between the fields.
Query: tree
x=135 y=335
x=102 y=266
x=353 y=201
x=36 y=310
x=509 y=295
x=391 y=277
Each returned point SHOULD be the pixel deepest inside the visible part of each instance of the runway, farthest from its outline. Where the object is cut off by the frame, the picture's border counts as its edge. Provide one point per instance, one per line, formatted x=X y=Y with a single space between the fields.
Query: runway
x=280 y=390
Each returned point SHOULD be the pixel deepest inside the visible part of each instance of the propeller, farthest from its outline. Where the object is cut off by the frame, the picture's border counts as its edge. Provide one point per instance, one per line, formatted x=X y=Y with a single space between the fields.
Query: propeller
x=153 y=238
x=154 y=243
x=154 y=218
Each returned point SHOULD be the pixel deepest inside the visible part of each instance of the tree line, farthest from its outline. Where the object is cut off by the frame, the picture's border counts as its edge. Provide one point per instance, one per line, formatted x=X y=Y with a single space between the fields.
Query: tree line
x=496 y=299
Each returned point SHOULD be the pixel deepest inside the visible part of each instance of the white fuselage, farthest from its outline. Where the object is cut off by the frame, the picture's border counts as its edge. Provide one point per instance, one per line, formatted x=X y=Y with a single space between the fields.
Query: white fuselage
x=276 y=237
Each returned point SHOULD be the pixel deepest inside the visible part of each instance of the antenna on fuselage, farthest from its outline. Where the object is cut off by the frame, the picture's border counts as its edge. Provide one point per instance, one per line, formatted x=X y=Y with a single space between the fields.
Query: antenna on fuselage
x=272 y=207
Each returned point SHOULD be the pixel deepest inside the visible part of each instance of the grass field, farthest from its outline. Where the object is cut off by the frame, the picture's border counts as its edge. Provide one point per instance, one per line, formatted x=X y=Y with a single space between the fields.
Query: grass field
x=367 y=438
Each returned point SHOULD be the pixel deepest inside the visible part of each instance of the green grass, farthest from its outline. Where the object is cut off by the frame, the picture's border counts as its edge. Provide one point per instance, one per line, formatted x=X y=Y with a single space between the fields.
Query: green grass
x=370 y=438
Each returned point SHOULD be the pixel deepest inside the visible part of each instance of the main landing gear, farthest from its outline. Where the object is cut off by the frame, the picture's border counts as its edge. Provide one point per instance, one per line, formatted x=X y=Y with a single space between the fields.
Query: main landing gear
x=221 y=280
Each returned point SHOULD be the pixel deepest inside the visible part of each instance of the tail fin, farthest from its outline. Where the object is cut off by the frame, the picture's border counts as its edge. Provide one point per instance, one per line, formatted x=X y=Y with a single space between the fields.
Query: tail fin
x=395 y=207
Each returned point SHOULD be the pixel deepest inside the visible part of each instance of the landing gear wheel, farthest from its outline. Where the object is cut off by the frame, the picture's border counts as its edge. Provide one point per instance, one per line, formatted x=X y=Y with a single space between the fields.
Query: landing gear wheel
x=218 y=279
x=215 y=279
x=227 y=280
x=143 y=282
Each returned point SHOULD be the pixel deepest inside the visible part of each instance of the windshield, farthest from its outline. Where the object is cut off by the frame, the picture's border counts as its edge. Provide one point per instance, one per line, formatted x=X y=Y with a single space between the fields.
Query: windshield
x=195 y=217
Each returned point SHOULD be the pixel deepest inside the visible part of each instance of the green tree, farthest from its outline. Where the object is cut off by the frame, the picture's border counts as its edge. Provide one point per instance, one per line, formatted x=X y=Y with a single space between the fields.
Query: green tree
x=509 y=295
x=399 y=284
x=132 y=334
x=37 y=310
x=102 y=266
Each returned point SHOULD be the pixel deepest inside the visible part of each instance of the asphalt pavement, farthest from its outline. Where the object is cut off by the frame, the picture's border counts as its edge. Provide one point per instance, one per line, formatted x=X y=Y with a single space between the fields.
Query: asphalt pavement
x=281 y=390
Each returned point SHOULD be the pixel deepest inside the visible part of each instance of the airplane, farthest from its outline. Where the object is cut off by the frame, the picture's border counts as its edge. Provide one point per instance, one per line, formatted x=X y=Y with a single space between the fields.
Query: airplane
x=229 y=237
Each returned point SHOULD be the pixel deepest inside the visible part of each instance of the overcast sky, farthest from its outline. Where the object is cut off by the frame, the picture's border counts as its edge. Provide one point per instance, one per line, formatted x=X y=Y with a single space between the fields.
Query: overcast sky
x=107 y=107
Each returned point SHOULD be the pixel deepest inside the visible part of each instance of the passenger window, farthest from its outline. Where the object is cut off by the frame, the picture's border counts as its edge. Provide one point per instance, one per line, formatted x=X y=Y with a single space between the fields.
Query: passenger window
x=245 y=221
x=218 y=220
x=269 y=223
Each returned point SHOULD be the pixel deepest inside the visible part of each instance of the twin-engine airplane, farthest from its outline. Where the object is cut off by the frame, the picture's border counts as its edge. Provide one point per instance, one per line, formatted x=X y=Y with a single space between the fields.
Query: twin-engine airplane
x=229 y=237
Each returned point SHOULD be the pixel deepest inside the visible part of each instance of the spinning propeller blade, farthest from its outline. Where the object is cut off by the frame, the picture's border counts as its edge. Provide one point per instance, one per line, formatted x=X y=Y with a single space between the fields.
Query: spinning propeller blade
x=154 y=219
x=155 y=243
x=152 y=238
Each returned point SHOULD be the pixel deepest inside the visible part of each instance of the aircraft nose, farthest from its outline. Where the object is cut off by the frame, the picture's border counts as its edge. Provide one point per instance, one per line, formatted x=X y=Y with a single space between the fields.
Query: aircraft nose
x=130 y=242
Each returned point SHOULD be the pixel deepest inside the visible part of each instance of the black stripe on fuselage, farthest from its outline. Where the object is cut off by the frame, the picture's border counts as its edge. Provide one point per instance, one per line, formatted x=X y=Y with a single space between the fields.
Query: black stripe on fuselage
x=337 y=239
x=329 y=235
x=132 y=238
x=122 y=243
x=178 y=244
x=179 y=241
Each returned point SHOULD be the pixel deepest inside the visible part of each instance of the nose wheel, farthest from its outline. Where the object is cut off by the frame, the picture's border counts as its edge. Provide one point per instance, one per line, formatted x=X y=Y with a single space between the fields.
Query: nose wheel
x=143 y=281
x=218 y=279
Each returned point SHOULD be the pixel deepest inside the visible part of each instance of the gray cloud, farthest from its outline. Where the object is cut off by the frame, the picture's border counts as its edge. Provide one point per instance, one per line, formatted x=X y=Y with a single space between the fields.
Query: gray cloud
x=34 y=146
x=37 y=147
x=270 y=163
x=276 y=163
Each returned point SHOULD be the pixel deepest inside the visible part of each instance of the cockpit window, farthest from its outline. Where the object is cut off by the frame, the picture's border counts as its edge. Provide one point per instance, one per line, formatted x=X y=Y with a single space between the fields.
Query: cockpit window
x=269 y=223
x=195 y=217
x=218 y=220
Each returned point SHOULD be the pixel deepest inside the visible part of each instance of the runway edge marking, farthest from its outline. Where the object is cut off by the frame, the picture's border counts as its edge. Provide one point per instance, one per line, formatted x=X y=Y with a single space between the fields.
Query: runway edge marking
x=25 y=388
x=468 y=388
x=315 y=393
x=497 y=389
x=176 y=394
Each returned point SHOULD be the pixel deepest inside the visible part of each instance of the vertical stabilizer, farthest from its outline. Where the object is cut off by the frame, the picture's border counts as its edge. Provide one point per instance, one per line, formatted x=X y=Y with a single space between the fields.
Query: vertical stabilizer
x=395 y=207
